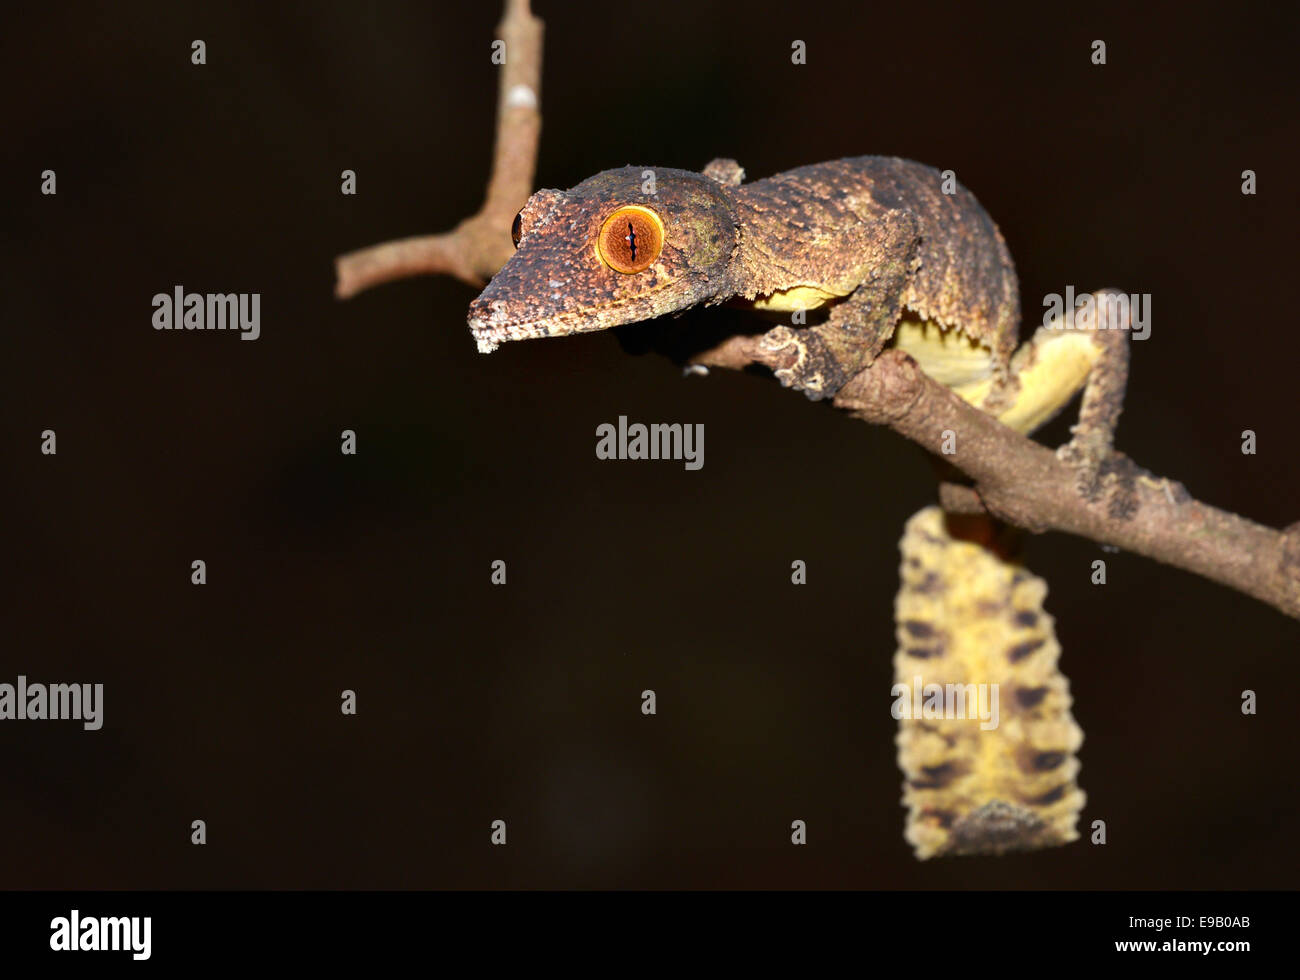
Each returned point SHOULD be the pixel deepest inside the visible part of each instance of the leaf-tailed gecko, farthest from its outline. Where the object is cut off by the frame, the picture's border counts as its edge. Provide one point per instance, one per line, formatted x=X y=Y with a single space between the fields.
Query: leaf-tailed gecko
x=887 y=251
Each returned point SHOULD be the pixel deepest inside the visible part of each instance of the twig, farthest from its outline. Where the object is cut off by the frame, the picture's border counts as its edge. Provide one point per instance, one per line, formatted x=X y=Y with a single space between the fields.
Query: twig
x=1025 y=484
x=1015 y=479
x=476 y=248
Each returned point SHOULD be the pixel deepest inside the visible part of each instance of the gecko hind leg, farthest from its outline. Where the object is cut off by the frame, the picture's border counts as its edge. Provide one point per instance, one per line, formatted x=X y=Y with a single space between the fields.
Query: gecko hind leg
x=1089 y=352
x=1091 y=449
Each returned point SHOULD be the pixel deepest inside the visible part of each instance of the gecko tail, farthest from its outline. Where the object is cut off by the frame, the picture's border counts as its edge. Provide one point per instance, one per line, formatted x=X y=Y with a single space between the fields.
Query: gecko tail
x=986 y=740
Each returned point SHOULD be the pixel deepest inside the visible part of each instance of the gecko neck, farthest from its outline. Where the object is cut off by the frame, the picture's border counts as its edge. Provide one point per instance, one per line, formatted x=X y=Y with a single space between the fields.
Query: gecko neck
x=755 y=269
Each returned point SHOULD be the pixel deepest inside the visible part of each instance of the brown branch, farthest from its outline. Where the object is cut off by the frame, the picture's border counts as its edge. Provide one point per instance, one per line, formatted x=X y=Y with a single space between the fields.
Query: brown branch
x=1014 y=479
x=1025 y=484
x=476 y=248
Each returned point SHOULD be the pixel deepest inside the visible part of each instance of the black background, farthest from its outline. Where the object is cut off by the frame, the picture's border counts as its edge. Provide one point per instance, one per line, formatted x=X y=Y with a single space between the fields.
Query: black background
x=372 y=572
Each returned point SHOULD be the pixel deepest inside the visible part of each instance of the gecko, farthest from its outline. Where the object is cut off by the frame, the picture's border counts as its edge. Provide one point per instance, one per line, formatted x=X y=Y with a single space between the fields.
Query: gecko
x=861 y=254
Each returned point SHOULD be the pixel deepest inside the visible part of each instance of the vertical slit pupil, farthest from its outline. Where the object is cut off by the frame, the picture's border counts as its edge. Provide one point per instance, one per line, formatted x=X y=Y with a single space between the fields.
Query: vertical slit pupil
x=631 y=239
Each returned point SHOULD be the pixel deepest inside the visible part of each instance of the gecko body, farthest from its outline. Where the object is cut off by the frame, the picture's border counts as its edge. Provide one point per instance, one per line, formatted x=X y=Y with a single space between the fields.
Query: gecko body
x=877 y=232
x=859 y=254
x=884 y=250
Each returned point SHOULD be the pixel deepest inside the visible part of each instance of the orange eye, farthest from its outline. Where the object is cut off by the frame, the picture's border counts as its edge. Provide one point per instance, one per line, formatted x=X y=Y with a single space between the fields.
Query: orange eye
x=517 y=228
x=630 y=239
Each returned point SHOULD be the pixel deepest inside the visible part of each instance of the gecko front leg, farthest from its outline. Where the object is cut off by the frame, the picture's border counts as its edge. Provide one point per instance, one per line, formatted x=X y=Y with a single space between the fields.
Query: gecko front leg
x=828 y=354
x=820 y=359
x=817 y=360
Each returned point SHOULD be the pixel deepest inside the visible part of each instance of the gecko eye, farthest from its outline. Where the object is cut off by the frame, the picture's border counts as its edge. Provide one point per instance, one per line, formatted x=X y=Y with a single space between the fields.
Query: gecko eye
x=630 y=239
x=517 y=228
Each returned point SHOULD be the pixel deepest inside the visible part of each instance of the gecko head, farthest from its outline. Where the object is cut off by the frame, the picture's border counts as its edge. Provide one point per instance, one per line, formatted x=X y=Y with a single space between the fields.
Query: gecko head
x=623 y=246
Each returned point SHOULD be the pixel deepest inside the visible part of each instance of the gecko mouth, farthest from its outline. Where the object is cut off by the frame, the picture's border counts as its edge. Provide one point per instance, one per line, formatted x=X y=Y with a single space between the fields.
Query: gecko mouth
x=490 y=332
x=491 y=325
x=489 y=336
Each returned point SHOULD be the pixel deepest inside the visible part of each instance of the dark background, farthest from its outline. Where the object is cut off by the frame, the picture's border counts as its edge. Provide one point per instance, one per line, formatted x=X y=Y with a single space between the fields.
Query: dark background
x=372 y=572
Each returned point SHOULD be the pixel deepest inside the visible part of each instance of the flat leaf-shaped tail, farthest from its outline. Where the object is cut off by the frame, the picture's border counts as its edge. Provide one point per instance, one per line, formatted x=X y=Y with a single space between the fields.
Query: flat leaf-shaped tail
x=986 y=740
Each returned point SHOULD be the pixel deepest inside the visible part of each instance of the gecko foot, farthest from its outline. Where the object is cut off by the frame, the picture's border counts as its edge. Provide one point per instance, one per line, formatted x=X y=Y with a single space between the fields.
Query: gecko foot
x=1102 y=474
x=801 y=359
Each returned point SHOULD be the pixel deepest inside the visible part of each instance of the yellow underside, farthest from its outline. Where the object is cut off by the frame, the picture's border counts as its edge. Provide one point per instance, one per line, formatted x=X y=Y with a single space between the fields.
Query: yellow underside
x=1051 y=369
x=795 y=298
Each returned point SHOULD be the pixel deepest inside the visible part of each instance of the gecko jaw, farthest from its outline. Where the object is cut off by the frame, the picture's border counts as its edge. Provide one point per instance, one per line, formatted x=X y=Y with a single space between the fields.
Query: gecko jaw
x=490 y=332
x=489 y=335
x=491 y=329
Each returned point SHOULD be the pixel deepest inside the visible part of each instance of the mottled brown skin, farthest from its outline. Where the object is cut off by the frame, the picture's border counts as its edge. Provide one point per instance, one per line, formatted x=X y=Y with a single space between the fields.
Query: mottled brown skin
x=900 y=244
x=556 y=283
x=875 y=232
x=871 y=239
x=876 y=241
